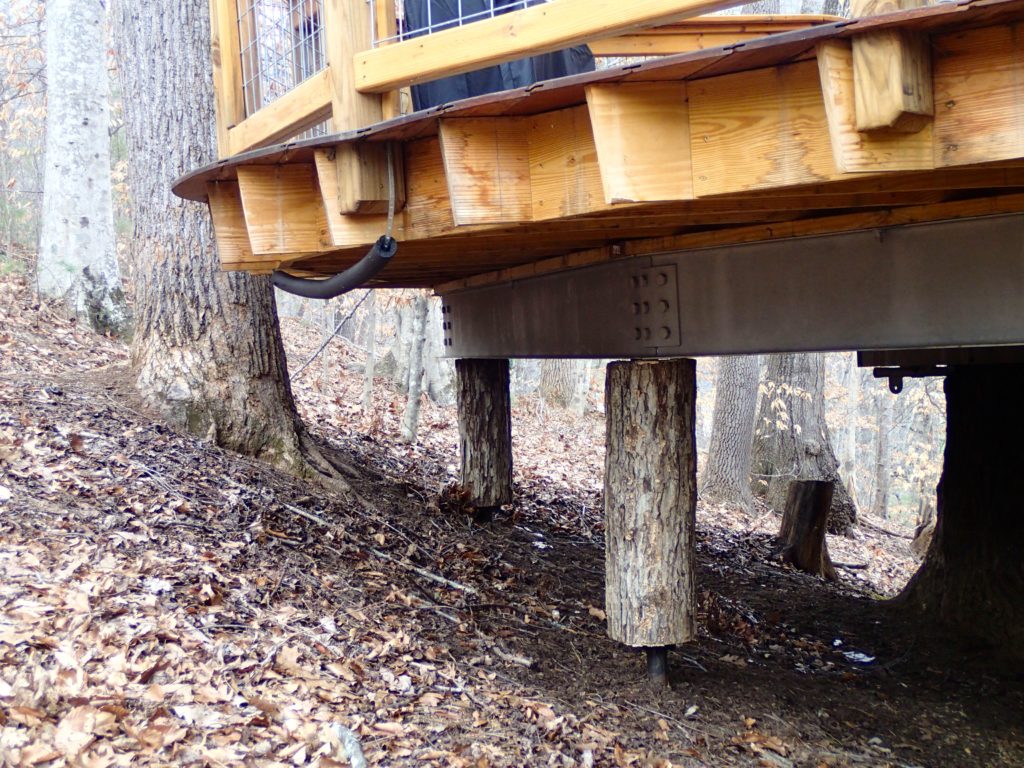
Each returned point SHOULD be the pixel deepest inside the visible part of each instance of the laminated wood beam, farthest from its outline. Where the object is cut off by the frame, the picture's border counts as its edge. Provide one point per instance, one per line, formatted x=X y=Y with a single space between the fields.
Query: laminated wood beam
x=531 y=31
x=302 y=107
x=848 y=222
x=979 y=90
x=487 y=165
x=855 y=151
x=892 y=73
x=759 y=130
x=642 y=136
x=284 y=213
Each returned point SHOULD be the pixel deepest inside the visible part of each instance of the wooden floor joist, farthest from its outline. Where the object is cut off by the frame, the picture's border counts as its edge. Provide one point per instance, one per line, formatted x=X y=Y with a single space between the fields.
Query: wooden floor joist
x=700 y=147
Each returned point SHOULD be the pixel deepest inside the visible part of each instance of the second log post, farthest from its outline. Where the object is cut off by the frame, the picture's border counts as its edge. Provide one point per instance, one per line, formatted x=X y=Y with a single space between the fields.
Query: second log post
x=485 y=434
x=650 y=506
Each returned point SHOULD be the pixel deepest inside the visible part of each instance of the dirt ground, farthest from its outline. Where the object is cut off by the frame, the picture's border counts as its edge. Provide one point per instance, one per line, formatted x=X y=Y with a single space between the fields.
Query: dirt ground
x=163 y=602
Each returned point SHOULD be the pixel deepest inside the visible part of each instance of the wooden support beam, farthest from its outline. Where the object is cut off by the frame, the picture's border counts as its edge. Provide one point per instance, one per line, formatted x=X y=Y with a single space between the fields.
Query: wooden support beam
x=361 y=168
x=855 y=151
x=227 y=70
x=485 y=432
x=642 y=135
x=284 y=213
x=564 y=174
x=229 y=231
x=759 y=130
x=487 y=165
x=979 y=90
x=346 y=229
x=302 y=107
x=892 y=73
x=531 y=31
x=650 y=502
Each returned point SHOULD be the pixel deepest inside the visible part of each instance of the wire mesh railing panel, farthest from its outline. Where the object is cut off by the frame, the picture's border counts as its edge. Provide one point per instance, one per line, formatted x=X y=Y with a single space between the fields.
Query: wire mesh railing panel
x=281 y=44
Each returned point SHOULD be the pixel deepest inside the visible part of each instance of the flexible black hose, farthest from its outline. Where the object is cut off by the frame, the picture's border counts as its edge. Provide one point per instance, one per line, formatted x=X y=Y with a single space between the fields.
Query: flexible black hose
x=353 y=277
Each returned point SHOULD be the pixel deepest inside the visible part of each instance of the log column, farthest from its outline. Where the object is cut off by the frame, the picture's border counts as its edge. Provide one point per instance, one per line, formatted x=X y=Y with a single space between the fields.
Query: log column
x=650 y=505
x=485 y=433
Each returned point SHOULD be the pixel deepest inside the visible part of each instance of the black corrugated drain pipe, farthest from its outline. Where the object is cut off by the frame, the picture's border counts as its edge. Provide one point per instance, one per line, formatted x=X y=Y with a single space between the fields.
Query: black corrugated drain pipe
x=353 y=277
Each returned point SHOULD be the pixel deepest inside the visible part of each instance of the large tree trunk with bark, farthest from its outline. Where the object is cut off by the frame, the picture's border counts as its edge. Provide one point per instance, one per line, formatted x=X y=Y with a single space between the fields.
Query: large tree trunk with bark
x=650 y=502
x=77 y=255
x=727 y=475
x=559 y=380
x=207 y=348
x=485 y=433
x=973 y=574
x=792 y=439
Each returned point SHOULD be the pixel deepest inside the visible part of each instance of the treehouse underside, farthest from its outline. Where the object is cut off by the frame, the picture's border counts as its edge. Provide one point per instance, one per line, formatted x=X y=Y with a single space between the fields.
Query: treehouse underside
x=741 y=144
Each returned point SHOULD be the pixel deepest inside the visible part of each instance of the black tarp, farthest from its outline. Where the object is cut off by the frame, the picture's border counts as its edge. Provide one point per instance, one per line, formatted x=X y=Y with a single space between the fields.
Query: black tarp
x=444 y=14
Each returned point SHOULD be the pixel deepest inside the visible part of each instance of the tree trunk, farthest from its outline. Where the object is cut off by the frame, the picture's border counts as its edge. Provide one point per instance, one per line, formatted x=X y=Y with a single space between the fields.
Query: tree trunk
x=727 y=475
x=650 y=502
x=411 y=417
x=559 y=379
x=973 y=574
x=880 y=505
x=792 y=439
x=327 y=330
x=485 y=433
x=438 y=371
x=803 y=527
x=77 y=255
x=849 y=463
x=207 y=348
x=371 y=353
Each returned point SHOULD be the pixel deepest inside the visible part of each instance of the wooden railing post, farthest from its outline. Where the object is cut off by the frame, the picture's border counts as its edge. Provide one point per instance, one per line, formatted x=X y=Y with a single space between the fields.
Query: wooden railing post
x=362 y=169
x=892 y=71
x=386 y=29
x=227 y=70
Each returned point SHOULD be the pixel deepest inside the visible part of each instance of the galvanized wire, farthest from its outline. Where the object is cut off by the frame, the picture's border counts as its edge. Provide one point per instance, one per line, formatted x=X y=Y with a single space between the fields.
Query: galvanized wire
x=281 y=44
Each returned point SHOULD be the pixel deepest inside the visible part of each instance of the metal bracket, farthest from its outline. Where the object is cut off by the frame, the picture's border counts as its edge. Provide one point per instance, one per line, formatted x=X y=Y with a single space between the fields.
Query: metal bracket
x=897 y=375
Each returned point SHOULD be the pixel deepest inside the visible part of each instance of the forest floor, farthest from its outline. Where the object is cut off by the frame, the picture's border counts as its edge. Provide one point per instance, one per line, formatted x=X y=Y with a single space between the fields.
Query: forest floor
x=163 y=602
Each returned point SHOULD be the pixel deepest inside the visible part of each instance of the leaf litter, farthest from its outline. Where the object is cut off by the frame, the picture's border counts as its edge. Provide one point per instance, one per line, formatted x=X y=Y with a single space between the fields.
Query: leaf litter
x=165 y=602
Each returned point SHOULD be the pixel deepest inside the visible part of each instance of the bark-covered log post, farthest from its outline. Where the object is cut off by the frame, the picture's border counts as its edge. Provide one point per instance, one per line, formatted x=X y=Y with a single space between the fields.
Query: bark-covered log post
x=485 y=434
x=973 y=574
x=804 y=520
x=650 y=484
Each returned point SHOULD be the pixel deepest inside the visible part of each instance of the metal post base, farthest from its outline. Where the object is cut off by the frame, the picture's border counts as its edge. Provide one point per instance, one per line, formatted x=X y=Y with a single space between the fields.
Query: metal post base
x=657 y=665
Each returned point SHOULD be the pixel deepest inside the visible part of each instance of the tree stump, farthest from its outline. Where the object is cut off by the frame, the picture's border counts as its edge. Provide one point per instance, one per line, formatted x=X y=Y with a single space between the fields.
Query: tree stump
x=650 y=504
x=485 y=434
x=803 y=527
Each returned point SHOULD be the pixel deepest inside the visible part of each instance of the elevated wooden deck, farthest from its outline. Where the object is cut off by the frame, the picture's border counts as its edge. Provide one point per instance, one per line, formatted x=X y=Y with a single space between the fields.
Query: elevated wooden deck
x=752 y=141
